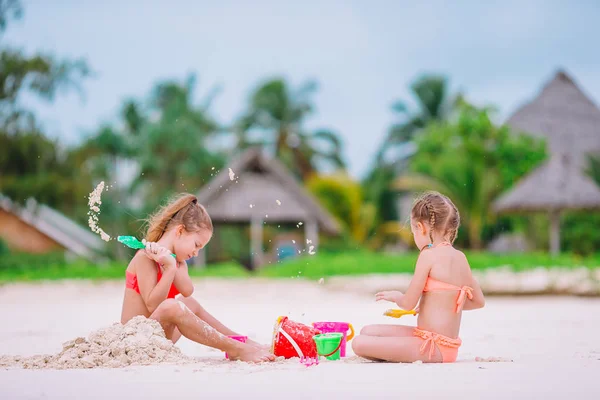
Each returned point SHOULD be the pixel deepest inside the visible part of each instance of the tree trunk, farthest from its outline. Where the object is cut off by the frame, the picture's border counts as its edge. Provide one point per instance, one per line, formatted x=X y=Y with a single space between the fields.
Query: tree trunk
x=256 y=238
x=475 y=233
x=303 y=164
x=311 y=233
x=280 y=144
x=555 y=232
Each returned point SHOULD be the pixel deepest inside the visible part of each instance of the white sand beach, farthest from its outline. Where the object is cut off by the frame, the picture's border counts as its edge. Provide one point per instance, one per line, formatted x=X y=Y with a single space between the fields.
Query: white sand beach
x=553 y=343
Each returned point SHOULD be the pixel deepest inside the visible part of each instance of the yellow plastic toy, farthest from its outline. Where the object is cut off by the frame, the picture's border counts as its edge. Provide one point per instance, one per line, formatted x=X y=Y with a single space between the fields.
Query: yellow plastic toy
x=396 y=313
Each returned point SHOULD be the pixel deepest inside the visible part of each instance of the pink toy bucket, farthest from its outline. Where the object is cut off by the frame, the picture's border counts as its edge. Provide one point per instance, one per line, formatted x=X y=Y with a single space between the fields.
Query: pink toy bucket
x=240 y=338
x=339 y=327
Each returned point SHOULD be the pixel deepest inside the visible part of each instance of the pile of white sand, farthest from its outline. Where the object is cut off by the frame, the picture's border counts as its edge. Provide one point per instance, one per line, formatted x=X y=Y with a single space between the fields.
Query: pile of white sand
x=140 y=341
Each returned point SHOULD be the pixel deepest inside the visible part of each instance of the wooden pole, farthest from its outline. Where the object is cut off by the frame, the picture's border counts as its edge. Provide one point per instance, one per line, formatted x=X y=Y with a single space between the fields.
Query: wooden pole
x=256 y=237
x=311 y=232
x=555 y=232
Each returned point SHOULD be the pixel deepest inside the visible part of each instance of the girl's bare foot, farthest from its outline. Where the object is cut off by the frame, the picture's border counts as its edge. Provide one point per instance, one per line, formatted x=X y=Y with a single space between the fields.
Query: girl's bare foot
x=252 y=354
x=258 y=345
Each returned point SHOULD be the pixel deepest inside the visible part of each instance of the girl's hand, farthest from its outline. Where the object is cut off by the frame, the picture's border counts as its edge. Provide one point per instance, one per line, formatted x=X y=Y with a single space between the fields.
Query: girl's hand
x=161 y=255
x=389 y=295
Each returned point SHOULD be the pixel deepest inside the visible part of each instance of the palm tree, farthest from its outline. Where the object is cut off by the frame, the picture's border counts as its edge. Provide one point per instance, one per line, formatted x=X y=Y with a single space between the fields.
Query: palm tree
x=472 y=161
x=42 y=75
x=173 y=149
x=433 y=104
x=133 y=117
x=276 y=114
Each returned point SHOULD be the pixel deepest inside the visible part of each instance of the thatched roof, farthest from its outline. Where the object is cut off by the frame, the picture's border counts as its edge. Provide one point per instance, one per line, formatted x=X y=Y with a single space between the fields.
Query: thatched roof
x=570 y=122
x=556 y=185
x=63 y=230
x=564 y=115
x=261 y=182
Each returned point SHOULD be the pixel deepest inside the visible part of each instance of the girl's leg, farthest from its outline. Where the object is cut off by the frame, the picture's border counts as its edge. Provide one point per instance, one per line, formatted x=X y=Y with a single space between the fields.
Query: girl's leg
x=175 y=316
x=387 y=330
x=204 y=315
x=176 y=335
x=209 y=319
x=393 y=349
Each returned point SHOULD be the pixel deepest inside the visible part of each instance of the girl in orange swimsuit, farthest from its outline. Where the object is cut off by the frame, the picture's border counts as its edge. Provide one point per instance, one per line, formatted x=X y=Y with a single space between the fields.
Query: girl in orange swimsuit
x=158 y=286
x=442 y=282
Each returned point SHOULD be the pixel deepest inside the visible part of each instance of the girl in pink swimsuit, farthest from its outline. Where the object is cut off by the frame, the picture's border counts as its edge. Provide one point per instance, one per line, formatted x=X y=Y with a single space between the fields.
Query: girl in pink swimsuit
x=158 y=286
x=444 y=285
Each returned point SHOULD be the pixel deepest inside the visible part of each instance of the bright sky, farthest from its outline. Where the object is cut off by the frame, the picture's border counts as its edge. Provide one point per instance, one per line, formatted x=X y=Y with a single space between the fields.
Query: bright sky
x=363 y=53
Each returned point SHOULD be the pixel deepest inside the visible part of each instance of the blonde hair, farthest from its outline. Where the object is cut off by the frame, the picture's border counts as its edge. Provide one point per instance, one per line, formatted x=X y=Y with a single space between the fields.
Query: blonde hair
x=182 y=209
x=439 y=212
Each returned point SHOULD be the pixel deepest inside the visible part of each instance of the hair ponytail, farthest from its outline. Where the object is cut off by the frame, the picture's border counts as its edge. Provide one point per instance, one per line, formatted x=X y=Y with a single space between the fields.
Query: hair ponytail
x=183 y=209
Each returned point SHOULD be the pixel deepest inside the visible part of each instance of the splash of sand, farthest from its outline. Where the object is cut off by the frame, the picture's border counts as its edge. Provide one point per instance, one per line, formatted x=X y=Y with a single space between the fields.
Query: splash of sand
x=140 y=341
x=94 y=201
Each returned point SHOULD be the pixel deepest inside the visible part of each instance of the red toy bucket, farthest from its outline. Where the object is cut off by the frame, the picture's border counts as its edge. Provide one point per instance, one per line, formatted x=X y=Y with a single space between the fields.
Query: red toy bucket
x=293 y=339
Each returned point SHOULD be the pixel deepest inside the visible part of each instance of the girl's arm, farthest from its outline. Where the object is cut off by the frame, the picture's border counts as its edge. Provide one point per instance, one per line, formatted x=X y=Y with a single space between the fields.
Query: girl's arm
x=182 y=280
x=409 y=300
x=153 y=292
x=478 y=301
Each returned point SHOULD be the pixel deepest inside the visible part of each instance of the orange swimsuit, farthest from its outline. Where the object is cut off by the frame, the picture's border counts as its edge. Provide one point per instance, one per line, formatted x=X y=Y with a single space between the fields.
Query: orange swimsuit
x=448 y=346
x=131 y=282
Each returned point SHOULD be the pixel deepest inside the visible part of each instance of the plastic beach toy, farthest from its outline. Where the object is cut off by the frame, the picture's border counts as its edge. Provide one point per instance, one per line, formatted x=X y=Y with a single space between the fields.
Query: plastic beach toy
x=328 y=345
x=309 y=361
x=239 y=338
x=396 y=313
x=133 y=243
x=293 y=339
x=340 y=327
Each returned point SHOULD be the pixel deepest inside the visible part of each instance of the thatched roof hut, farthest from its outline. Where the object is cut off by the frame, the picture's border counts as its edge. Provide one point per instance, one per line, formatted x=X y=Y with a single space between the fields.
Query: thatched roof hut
x=570 y=122
x=562 y=114
x=262 y=190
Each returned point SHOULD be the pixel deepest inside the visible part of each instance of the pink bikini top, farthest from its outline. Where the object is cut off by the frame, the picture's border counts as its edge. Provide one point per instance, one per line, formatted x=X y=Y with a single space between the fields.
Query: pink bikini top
x=131 y=282
x=435 y=285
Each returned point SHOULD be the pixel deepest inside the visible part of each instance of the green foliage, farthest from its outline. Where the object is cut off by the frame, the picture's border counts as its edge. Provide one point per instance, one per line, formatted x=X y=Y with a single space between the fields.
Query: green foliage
x=22 y=267
x=276 y=114
x=593 y=169
x=377 y=187
x=473 y=162
x=20 y=261
x=31 y=164
x=363 y=262
x=40 y=74
x=342 y=197
x=169 y=142
x=53 y=266
x=433 y=105
x=9 y=9
x=35 y=166
x=172 y=148
x=4 y=250
x=580 y=233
